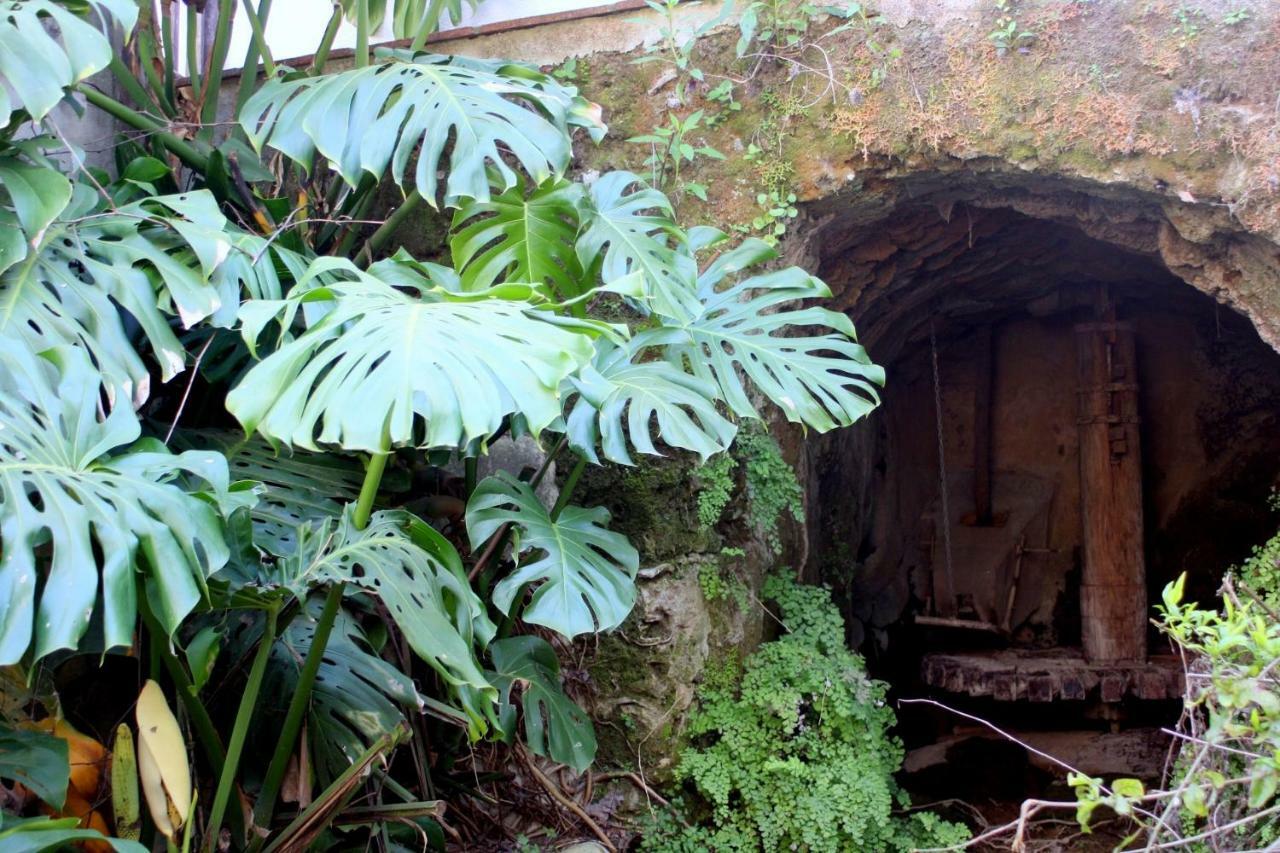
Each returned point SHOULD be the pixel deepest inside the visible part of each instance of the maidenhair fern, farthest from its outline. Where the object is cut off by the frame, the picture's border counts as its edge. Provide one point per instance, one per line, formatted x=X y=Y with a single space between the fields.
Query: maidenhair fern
x=791 y=751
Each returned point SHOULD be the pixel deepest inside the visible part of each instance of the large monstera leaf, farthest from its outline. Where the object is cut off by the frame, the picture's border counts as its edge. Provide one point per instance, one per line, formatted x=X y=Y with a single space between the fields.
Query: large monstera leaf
x=554 y=726
x=428 y=368
x=418 y=577
x=75 y=520
x=521 y=235
x=153 y=258
x=38 y=62
x=585 y=572
x=629 y=227
x=462 y=116
x=620 y=399
x=357 y=696
x=822 y=379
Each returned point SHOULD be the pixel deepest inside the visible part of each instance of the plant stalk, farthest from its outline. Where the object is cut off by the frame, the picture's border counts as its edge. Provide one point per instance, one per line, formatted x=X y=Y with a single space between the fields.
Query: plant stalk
x=362 y=33
x=213 y=72
x=425 y=28
x=369 y=489
x=570 y=483
x=387 y=228
x=240 y=730
x=326 y=41
x=257 y=49
x=183 y=150
x=298 y=705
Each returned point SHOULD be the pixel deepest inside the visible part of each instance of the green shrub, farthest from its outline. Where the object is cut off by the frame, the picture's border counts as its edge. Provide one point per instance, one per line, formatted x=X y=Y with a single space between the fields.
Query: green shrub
x=792 y=752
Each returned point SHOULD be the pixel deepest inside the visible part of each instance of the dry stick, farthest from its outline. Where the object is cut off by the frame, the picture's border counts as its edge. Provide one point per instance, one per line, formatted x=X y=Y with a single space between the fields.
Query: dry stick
x=569 y=804
x=1161 y=819
x=191 y=380
x=634 y=779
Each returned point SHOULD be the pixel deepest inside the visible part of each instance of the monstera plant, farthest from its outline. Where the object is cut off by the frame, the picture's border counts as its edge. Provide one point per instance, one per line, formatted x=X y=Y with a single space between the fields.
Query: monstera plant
x=222 y=400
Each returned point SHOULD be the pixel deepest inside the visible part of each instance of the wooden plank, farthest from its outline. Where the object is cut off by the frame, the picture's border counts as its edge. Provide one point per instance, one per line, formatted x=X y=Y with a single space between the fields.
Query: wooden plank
x=1113 y=596
x=982 y=456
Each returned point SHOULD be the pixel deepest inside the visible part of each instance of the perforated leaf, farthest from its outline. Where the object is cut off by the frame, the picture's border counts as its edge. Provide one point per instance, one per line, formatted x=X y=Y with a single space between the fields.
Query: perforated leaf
x=750 y=329
x=585 y=572
x=416 y=574
x=621 y=400
x=422 y=368
x=460 y=116
x=357 y=696
x=80 y=520
x=627 y=232
x=554 y=726
x=521 y=235
x=295 y=487
x=153 y=258
x=38 y=63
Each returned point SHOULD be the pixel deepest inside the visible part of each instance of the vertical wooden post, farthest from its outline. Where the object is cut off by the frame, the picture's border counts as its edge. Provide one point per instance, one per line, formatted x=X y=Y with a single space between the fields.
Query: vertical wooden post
x=1113 y=594
x=982 y=427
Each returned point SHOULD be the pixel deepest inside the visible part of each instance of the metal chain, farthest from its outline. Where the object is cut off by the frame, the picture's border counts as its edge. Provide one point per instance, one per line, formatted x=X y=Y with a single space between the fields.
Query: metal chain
x=942 y=469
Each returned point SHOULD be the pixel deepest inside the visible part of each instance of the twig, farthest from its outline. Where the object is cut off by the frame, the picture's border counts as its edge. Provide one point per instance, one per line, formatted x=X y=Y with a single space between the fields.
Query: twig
x=559 y=797
x=191 y=380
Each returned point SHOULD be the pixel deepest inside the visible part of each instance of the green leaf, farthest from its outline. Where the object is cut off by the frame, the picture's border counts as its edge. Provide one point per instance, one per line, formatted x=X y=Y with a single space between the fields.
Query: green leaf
x=1262 y=788
x=474 y=114
x=38 y=63
x=202 y=654
x=38 y=760
x=101 y=520
x=554 y=726
x=521 y=236
x=153 y=258
x=37 y=194
x=615 y=386
x=822 y=379
x=1130 y=788
x=416 y=574
x=357 y=696
x=38 y=834
x=586 y=572
x=425 y=369
x=625 y=232
x=296 y=487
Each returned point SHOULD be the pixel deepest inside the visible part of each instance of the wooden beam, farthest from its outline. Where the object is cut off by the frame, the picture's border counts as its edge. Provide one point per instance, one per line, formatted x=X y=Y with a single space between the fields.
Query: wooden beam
x=1113 y=593
x=982 y=460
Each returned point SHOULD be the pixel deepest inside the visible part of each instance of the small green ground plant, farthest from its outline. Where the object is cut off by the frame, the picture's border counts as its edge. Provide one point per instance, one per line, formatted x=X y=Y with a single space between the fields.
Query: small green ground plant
x=791 y=750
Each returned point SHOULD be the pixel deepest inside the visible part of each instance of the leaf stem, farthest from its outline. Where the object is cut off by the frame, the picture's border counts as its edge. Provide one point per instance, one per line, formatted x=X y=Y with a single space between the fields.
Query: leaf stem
x=387 y=228
x=369 y=489
x=298 y=705
x=240 y=730
x=362 y=33
x=326 y=41
x=213 y=71
x=184 y=151
x=570 y=483
x=426 y=26
x=258 y=48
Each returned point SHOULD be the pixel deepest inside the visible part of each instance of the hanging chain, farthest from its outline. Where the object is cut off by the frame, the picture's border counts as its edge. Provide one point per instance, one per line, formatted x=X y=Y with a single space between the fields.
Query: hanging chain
x=942 y=468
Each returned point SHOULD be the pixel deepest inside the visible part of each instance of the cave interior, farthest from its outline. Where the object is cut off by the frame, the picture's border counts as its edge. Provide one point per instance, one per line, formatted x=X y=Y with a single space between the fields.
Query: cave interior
x=1067 y=426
